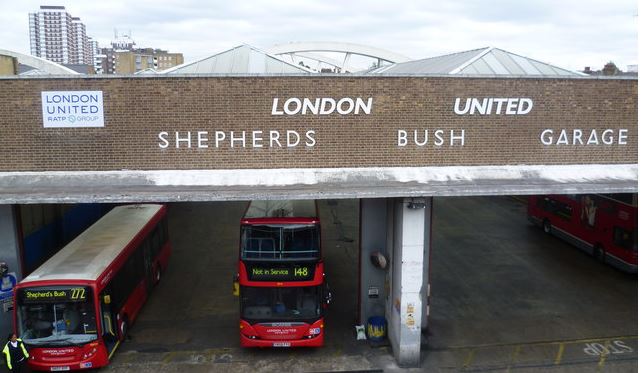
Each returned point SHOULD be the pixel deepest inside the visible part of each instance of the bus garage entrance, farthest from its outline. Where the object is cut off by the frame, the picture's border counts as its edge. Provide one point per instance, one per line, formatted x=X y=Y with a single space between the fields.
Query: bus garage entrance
x=194 y=308
x=416 y=138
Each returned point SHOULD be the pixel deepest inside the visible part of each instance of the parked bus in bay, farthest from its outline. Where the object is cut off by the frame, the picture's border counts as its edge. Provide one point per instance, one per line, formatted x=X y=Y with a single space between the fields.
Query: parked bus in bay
x=74 y=310
x=604 y=226
x=283 y=293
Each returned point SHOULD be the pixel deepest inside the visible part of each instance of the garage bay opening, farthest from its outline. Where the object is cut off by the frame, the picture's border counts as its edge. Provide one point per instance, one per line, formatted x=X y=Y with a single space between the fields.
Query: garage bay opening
x=283 y=292
x=75 y=309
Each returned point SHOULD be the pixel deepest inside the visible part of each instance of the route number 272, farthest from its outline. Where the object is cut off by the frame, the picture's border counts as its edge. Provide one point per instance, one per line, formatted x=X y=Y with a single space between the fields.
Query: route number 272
x=78 y=294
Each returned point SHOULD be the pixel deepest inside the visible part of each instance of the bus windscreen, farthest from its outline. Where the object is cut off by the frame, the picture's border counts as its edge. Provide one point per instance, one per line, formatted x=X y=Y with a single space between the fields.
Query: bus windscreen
x=282 y=304
x=56 y=316
x=269 y=242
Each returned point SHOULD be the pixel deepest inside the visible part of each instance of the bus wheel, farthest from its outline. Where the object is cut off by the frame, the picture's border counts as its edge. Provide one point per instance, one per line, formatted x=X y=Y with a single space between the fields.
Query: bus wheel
x=598 y=253
x=547 y=226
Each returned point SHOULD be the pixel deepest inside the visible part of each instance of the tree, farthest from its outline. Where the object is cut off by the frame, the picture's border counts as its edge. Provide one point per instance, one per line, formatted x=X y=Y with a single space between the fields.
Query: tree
x=610 y=69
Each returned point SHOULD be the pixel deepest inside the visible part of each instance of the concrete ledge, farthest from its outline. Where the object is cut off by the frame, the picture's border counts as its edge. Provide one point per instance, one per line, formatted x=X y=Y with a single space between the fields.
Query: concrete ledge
x=323 y=183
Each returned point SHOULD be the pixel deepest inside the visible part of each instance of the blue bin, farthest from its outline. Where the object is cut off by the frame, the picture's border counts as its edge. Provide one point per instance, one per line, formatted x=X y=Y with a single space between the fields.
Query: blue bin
x=376 y=328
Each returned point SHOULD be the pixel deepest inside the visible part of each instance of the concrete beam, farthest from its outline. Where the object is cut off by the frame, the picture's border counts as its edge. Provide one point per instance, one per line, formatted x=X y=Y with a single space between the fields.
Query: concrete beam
x=324 y=183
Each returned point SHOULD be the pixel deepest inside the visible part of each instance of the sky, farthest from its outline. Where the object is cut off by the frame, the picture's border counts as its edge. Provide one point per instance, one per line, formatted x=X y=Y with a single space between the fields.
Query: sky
x=567 y=33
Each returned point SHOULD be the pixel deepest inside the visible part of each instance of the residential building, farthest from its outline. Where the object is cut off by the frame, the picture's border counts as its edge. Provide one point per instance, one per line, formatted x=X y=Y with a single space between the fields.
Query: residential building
x=124 y=58
x=98 y=57
x=115 y=61
x=58 y=37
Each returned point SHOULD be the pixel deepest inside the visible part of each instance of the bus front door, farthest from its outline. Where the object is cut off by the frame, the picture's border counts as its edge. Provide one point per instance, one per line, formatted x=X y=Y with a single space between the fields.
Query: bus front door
x=108 y=322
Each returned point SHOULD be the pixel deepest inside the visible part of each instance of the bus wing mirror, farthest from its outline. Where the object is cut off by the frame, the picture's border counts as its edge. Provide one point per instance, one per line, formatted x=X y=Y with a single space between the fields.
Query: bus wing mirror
x=327 y=295
x=107 y=299
x=235 y=286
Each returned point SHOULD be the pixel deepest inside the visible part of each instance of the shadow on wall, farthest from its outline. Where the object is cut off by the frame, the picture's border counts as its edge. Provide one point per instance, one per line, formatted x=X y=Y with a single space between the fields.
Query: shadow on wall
x=48 y=228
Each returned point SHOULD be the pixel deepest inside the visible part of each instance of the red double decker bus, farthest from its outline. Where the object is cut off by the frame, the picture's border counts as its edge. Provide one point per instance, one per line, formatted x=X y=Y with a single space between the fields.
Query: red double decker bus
x=604 y=226
x=75 y=309
x=283 y=292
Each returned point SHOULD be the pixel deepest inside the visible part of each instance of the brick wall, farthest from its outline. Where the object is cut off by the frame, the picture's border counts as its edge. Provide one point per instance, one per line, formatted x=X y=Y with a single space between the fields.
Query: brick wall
x=136 y=110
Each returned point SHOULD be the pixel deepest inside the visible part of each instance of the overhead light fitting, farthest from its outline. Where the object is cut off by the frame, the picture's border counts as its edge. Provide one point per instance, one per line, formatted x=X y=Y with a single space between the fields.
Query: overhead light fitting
x=416 y=205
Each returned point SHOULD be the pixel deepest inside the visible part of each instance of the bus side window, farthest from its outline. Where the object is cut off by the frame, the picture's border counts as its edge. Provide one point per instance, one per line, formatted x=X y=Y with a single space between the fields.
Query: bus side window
x=623 y=238
x=156 y=241
x=164 y=230
x=542 y=203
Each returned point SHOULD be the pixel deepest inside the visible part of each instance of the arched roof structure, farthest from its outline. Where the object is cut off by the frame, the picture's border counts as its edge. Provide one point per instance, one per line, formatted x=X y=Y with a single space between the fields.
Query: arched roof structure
x=313 y=50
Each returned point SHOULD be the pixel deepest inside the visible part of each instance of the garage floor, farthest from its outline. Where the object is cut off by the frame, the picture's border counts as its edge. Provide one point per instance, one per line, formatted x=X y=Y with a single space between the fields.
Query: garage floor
x=504 y=296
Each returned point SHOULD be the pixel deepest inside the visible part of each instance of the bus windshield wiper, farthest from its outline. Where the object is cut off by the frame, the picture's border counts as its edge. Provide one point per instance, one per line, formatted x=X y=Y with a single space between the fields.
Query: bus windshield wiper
x=47 y=340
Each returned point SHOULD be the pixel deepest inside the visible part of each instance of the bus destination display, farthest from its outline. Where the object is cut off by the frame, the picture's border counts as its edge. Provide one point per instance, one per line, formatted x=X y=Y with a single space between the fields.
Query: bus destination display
x=295 y=273
x=76 y=294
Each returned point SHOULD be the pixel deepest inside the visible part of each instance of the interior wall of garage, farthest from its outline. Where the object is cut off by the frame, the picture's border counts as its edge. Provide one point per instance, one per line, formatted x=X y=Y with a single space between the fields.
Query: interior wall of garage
x=9 y=253
x=373 y=228
x=47 y=228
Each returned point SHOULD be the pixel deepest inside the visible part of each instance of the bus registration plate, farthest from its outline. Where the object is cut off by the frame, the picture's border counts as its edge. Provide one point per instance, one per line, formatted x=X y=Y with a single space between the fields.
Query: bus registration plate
x=59 y=369
x=281 y=344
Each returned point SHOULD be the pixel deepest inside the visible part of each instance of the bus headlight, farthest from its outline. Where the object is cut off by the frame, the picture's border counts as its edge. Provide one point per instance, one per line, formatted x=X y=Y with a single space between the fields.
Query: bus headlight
x=89 y=354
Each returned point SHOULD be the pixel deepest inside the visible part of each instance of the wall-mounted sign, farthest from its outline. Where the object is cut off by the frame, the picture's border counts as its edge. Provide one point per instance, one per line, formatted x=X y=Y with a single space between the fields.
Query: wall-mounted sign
x=9 y=281
x=71 y=109
x=494 y=106
x=373 y=292
x=322 y=106
x=334 y=124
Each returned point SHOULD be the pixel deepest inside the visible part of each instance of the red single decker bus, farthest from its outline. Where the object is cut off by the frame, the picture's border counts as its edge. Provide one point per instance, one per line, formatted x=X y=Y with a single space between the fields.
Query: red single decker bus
x=604 y=226
x=74 y=310
x=282 y=284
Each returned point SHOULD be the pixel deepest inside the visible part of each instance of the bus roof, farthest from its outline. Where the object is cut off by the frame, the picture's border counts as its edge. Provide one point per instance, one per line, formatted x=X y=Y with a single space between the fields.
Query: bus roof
x=89 y=254
x=282 y=209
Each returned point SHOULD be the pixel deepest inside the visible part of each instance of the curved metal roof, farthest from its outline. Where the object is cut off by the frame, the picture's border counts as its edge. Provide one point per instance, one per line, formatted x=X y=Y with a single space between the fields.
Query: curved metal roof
x=327 y=46
x=43 y=66
x=313 y=50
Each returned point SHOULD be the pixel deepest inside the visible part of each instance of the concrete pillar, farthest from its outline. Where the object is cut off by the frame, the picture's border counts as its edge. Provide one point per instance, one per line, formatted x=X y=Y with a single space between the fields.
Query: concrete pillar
x=405 y=306
x=9 y=253
x=425 y=282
